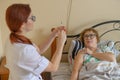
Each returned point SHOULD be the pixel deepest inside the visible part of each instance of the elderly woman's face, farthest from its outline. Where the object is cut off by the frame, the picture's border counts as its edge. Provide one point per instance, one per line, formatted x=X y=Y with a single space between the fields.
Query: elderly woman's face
x=90 y=39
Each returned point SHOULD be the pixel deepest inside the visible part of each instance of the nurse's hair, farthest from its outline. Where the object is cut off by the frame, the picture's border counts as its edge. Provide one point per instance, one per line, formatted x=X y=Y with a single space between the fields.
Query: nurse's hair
x=16 y=15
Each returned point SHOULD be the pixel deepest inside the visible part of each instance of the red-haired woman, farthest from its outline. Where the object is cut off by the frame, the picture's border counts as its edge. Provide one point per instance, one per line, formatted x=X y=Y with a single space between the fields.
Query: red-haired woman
x=24 y=58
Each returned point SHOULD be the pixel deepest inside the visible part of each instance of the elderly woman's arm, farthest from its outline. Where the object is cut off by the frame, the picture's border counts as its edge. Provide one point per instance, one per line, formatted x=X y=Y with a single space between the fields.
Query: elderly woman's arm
x=77 y=66
x=107 y=56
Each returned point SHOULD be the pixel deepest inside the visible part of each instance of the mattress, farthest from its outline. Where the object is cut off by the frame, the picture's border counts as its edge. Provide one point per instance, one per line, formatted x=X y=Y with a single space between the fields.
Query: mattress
x=63 y=72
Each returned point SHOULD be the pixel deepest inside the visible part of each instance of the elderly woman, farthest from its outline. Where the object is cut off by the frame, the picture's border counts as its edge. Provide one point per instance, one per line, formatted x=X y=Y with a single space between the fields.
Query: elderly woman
x=90 y=52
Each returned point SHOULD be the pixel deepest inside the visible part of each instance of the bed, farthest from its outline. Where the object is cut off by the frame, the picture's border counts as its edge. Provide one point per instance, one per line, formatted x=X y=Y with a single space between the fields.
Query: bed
x=108 y=30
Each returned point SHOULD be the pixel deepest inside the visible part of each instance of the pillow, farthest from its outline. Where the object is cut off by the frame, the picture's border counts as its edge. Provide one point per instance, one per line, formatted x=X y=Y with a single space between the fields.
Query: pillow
x=108 y=46
x=105 y=46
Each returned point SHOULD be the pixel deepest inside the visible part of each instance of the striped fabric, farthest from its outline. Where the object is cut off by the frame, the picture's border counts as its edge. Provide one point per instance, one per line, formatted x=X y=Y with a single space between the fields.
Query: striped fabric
x=73 y=49
x=78 y=45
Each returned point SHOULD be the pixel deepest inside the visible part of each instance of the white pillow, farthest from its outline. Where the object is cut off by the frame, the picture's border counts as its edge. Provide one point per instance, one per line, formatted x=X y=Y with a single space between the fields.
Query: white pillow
x=108 y=46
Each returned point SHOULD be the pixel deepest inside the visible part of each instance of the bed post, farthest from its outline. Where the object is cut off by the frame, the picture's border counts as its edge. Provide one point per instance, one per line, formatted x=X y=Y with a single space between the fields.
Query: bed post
x=4 y=72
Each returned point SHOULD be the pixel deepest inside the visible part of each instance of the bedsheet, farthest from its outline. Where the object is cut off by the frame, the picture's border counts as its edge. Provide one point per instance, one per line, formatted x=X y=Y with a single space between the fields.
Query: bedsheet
x=63 y=72
x=91 y=71
x=102 y=70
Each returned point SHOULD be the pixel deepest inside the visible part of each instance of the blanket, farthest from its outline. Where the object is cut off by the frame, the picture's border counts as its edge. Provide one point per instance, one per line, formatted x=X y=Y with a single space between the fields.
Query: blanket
x=102 y=70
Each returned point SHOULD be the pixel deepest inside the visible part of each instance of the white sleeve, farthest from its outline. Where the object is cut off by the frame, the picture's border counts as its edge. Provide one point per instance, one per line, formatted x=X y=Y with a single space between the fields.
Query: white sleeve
x=30 y=60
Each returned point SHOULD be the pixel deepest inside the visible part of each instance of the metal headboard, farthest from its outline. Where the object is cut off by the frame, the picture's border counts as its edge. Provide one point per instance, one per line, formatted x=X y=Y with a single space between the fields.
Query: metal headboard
x=99 y=24
x=115 y=27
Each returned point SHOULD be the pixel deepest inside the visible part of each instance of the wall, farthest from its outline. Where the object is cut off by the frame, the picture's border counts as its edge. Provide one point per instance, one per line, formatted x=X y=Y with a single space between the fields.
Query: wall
x=85 y=13
x=52 y=13
x=1 y=49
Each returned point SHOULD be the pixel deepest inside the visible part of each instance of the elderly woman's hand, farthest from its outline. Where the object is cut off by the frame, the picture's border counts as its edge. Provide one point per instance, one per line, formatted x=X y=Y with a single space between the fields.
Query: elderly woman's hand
x=88 y=51
x=82 y=51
